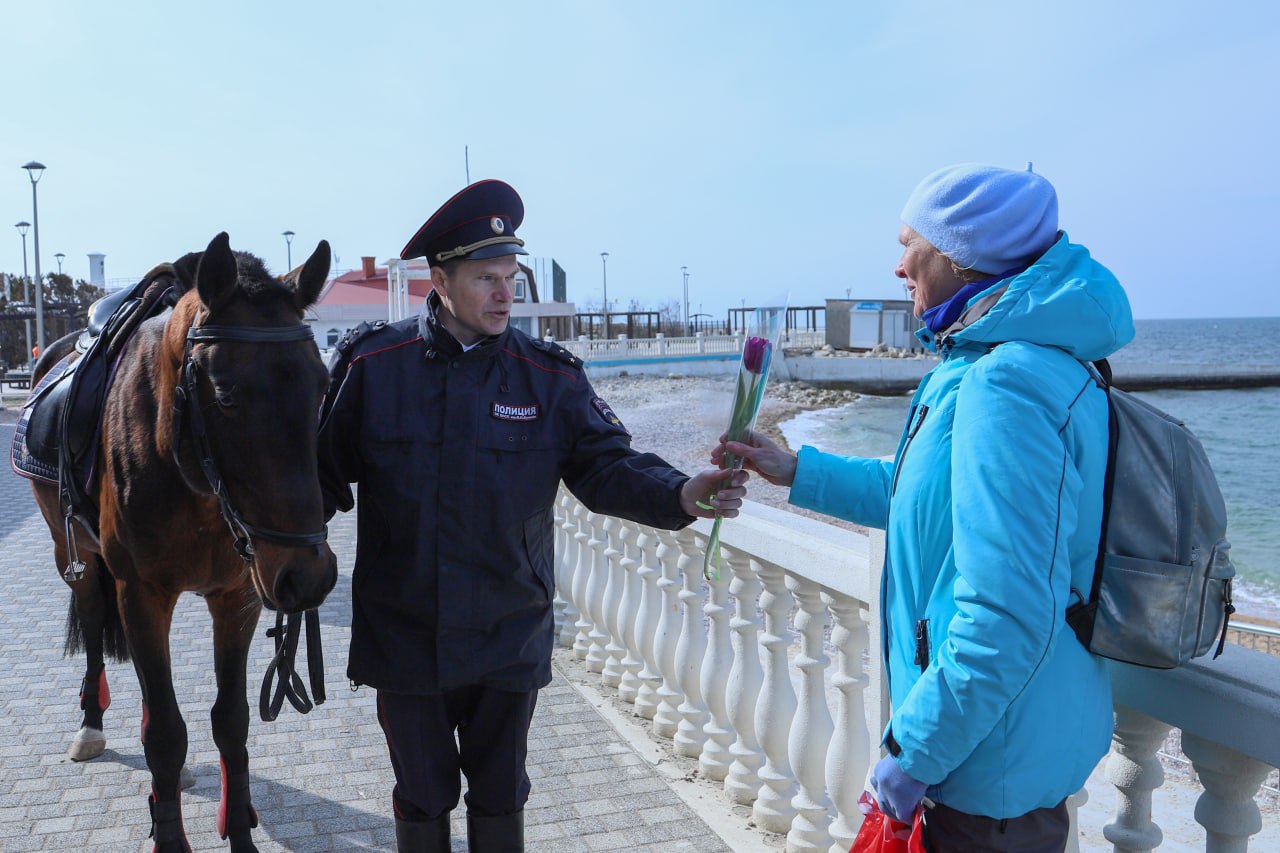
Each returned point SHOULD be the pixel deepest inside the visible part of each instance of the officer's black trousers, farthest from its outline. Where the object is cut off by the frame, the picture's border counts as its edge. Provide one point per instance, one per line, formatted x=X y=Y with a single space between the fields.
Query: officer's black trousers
x=1041 y=831
x=492 y=742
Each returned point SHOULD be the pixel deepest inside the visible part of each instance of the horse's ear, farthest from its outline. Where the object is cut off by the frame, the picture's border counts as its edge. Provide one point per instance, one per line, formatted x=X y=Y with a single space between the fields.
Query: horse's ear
x=312 y=277
x=216 y=273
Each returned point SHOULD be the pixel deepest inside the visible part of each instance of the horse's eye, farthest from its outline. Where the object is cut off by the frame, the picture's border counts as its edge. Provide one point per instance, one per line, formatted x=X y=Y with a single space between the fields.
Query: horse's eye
x=226 y=397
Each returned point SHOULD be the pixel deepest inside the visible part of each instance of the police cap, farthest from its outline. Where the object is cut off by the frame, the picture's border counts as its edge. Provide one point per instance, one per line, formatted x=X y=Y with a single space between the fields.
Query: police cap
x=479 y=222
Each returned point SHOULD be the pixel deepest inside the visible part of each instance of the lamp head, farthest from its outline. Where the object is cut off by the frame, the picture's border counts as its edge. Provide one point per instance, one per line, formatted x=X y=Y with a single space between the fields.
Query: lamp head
x=22 y=227
x=34 y=170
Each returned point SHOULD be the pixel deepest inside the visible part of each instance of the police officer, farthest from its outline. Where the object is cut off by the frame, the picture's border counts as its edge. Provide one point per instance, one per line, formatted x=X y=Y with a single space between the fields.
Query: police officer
x=458 y=430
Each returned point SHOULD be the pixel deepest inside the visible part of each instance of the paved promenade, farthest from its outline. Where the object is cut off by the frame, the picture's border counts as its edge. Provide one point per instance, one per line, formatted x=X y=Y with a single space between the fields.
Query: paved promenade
x=320 y=782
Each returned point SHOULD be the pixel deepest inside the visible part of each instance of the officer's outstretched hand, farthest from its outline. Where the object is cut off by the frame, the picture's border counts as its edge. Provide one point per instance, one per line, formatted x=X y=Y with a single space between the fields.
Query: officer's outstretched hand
x=761 y=455
x=720 y=489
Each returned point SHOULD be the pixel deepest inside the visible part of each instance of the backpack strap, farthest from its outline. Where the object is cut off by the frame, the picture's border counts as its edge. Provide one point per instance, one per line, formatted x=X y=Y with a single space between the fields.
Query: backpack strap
x=1081 y=615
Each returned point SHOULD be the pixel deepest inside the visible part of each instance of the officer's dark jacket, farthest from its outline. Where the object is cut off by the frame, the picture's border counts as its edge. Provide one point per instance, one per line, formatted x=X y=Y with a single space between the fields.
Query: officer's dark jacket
x=457 y=458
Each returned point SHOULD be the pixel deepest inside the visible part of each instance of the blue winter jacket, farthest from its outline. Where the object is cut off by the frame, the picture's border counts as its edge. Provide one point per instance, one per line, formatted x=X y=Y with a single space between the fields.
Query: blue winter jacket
x=992 y=509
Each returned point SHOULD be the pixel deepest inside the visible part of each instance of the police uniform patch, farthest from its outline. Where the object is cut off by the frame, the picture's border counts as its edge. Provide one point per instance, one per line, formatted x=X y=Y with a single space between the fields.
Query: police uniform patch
x=607 y=413
x=507 y=412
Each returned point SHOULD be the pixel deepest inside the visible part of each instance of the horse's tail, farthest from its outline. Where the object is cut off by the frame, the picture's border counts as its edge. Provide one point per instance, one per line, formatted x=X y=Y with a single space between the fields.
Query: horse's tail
x=114 y=645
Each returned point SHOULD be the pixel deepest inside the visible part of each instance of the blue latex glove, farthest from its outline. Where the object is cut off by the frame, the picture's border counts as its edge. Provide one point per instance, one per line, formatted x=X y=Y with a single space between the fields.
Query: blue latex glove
x=898 y=794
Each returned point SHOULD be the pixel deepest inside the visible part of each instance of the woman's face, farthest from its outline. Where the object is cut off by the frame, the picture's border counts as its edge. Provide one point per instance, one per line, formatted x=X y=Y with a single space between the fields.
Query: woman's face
x=930 y=278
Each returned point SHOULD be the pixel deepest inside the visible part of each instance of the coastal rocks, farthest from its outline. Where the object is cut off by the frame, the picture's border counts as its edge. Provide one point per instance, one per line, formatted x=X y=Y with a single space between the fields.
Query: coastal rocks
x=880 y=350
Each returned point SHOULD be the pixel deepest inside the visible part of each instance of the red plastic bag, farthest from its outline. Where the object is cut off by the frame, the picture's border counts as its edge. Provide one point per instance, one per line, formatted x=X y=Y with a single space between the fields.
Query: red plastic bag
x=882 y=834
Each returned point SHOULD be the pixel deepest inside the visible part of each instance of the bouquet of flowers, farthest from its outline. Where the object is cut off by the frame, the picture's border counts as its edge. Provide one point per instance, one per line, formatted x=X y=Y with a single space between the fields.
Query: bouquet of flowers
x=753 y=374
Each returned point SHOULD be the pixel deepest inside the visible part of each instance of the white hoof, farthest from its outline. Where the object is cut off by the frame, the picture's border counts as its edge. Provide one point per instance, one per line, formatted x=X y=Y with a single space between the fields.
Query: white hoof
x=186 y=779
x=88 y=744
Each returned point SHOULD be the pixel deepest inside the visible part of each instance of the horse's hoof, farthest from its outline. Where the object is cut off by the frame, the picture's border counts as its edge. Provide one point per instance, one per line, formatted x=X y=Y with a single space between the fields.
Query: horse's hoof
x=186 y=779
x=88 y=744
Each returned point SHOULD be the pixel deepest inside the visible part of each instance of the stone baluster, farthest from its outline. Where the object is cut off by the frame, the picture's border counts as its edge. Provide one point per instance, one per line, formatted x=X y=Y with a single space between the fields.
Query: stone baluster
x=691 y=648
x=599 y=541
x=742 y=690
x=581 y=581
x=666 y=718
x=849 y=755
x=611 y=675
x=647 y=623
x=631 y=662
x=1135 y=771
x=812 y=728
x=566 y=561
x=1226 y=809
x=718 y=730
x=773 y=811
x=1075 y=802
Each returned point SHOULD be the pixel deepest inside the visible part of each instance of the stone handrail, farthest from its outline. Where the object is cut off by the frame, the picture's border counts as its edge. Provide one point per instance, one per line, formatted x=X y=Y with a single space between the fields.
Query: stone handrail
x=662 y=346
x=738 y=673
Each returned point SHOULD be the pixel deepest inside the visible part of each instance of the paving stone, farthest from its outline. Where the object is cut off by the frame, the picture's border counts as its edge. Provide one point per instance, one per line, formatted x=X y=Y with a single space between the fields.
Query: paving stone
x=320 y=782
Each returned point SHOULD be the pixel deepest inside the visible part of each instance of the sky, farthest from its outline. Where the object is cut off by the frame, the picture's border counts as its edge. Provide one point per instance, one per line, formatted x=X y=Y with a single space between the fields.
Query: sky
x=766 y=146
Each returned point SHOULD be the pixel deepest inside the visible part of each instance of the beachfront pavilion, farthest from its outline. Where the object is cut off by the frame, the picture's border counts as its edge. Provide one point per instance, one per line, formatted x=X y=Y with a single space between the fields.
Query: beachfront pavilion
x=740 y=714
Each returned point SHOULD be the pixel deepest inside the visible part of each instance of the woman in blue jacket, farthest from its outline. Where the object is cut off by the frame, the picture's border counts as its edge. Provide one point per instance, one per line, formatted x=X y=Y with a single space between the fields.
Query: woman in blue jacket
x=992 y=508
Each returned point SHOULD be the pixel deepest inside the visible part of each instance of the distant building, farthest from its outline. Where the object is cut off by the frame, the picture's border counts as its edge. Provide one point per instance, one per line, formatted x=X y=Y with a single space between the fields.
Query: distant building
x=861 y=324
x=366 y=295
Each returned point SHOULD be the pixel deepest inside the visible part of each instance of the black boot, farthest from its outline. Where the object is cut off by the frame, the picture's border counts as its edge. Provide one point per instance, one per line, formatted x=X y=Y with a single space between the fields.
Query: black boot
x=502 y=833
x=423 y=836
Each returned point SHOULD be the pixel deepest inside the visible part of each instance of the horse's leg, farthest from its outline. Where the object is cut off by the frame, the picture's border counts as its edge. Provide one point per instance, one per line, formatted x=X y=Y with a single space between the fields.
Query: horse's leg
x=92 y=626
x=147 y=616
x=235 y=615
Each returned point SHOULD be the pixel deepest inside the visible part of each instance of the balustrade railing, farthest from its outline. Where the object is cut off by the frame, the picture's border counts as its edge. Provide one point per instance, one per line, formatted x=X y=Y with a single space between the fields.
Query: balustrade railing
x=661 y=346
x=740 y=673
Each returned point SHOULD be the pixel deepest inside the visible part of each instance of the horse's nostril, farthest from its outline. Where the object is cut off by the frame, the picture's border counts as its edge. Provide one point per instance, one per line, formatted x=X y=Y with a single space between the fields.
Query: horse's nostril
x=302 y=587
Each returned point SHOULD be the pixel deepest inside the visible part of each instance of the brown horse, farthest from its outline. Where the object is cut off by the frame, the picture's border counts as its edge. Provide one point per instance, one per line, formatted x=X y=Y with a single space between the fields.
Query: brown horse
x=235 y=361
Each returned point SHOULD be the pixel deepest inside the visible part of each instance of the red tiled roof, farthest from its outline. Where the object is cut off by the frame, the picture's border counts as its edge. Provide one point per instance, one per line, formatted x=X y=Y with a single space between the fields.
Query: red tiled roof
x=352 y=288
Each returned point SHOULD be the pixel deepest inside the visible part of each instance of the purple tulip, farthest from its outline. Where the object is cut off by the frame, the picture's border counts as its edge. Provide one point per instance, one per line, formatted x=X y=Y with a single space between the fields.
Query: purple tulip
x=755 y=355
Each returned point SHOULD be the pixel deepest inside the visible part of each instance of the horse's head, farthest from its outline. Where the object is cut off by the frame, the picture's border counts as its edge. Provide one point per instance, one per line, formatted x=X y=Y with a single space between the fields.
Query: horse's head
x=247 y=398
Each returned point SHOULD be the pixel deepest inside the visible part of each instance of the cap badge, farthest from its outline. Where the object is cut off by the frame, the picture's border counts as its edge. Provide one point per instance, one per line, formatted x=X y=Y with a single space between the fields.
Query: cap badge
x=496 y=225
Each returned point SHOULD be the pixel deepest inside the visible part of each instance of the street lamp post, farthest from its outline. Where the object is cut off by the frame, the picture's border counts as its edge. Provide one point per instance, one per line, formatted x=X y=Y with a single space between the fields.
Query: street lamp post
x=288 y=245
x=685 y=271
x=604 y=276
x=59 y=256
x=35 y=171
x=23 y=227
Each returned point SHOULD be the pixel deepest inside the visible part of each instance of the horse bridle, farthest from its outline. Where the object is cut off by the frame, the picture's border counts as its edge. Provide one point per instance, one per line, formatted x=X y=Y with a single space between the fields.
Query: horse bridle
x=187 y=411
x=188 y=415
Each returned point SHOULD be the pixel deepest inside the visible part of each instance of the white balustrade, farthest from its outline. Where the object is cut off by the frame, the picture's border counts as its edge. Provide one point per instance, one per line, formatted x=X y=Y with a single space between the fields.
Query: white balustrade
x=773 y=810
x=1135 y=771
x=716 y=759
x=812 y=729
x=581 y=577
x=566 y=612
x=742 y=690
x=594 y=603
x=691 y=648
x=666 y=718
x=792 y=733
x=850 y=744
x=629 y=684
x=611 y=674
x=647 y=623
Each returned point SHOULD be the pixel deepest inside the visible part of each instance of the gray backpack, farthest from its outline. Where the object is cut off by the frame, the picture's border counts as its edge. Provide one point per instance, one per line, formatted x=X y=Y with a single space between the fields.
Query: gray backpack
x=1161 y=590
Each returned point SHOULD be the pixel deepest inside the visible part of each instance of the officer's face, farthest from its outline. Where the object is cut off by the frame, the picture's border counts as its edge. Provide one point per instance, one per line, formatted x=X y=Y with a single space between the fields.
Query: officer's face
x=477 y=297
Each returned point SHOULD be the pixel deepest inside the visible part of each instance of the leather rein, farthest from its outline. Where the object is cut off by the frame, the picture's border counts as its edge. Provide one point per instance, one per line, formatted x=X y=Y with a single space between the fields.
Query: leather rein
x=188 y=417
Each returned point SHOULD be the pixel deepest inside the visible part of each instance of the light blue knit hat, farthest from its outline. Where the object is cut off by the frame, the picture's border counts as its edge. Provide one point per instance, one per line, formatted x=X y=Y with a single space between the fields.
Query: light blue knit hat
x=984 y=217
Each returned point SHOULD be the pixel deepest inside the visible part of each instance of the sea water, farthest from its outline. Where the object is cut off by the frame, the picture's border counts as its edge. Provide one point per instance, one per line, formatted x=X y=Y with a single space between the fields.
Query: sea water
x=1238 y=427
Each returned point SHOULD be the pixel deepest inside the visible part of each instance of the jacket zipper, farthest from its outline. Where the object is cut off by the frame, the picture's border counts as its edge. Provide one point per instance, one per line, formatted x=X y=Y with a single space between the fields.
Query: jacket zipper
x=922 y=644
x=916 y=423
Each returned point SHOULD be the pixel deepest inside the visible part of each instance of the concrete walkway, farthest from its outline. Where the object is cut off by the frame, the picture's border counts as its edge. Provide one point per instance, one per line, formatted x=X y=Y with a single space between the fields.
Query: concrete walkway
x=320 y=782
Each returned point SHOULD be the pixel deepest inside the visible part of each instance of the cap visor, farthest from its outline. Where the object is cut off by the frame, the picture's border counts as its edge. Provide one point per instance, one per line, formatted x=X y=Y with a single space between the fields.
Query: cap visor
x=497 y=250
